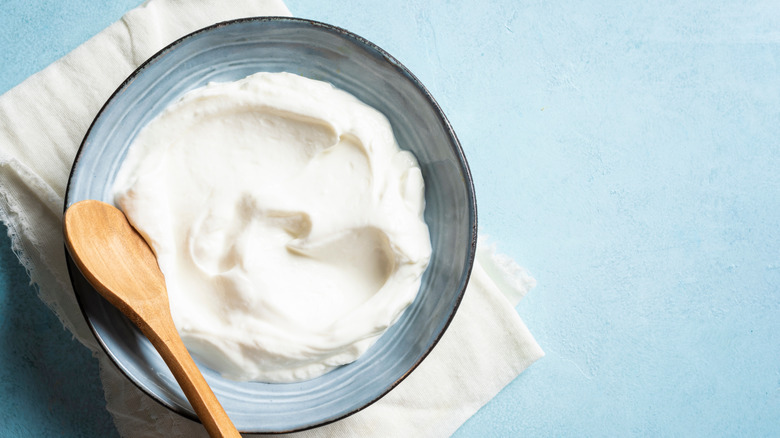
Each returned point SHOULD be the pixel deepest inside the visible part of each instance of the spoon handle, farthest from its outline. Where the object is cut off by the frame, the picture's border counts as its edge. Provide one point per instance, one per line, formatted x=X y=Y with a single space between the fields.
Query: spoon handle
x=163 y=335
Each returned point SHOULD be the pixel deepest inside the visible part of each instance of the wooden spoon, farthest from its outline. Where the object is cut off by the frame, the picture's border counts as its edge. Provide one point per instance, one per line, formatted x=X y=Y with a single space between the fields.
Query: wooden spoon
x=119 y=264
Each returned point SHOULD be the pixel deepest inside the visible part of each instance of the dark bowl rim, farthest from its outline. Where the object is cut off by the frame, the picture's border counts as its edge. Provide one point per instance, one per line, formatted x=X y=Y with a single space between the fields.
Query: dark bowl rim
x=457 y=149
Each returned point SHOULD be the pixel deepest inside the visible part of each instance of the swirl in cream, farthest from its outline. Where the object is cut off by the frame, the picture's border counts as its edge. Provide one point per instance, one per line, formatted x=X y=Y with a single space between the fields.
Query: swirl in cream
x=287 y=221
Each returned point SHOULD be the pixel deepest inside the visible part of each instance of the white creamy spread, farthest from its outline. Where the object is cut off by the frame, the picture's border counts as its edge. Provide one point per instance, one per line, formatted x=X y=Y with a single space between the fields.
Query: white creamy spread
x=287 y=221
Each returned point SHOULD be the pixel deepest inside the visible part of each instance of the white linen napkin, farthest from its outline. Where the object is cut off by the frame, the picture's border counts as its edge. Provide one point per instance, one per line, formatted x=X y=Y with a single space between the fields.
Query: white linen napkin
x=42 y=122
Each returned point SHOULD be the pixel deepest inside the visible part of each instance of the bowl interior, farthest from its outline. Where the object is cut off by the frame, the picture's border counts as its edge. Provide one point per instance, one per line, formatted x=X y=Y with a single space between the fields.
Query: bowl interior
x=231 y=51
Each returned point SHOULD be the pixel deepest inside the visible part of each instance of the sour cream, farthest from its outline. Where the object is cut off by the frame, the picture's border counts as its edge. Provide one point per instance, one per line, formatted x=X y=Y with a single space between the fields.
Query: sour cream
x=287 y=221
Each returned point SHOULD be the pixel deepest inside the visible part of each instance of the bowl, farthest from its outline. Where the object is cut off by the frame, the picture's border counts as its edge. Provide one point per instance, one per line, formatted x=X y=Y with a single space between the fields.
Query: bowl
x=233 y=50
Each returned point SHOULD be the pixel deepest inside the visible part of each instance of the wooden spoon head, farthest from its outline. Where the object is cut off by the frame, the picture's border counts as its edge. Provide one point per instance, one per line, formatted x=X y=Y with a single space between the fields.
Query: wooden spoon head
x=115 y=259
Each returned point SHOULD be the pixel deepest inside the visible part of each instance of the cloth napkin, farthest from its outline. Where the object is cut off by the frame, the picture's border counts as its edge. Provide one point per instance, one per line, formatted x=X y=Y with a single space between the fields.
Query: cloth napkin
x=42 y=122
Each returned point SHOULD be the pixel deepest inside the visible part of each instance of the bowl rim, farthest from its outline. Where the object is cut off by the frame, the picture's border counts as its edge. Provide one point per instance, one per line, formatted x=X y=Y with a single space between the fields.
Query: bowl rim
x=457 y=149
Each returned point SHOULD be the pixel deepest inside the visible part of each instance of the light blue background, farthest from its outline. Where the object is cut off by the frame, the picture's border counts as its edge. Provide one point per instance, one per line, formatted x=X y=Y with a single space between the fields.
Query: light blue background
x=626 y=153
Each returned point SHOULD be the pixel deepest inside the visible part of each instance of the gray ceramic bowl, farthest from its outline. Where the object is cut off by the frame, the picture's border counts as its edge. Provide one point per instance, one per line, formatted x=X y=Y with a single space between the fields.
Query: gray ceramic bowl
x=230 y=51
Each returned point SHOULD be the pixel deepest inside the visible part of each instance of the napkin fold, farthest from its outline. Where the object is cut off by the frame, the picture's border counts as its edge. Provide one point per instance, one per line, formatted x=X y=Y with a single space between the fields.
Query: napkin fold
x=42 y=123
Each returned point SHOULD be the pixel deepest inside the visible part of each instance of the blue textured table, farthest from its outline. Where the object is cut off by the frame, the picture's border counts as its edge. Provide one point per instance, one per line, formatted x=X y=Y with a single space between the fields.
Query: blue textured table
x=627 y=154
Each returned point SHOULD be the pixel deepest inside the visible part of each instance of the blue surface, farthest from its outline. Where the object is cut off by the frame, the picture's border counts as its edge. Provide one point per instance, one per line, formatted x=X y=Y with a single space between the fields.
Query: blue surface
x=626 y=153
